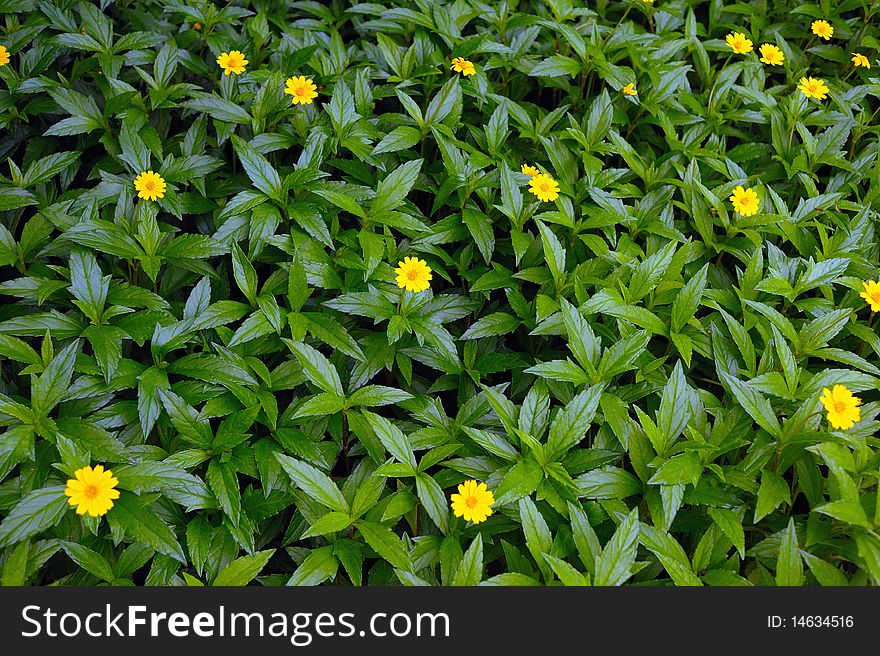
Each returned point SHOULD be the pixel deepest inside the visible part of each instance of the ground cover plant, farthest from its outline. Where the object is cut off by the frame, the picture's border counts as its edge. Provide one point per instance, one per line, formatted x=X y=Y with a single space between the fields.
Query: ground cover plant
x=439 y=293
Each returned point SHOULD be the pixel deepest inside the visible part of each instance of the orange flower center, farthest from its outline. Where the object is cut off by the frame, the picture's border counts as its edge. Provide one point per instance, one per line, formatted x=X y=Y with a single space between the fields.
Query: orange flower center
x=91 y=491
x=545 y=186
x=300 y=91
x=233 y=62
x=412 y=274
x=471 y=502
x=150 y=185
x=839 y=406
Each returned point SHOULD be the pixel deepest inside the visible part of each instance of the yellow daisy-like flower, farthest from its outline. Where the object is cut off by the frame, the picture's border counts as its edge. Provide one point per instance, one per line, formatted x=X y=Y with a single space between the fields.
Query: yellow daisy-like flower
x=860 y=60
x=740 y=44
x=745 y=201
x=822 y=29
x=92 y=491
x=842 y=407
x=473 y=502
x=872 y=295
x=629 y=89
x=197 y=26
x=648 y=2
x=4 y=56
x=771 y=55
x=530 y=171
x=303 y=90
x=413 y=274
x=813 y=87
x=544 y=187
x=463 y=66
x=150 y=186
x=232 y=62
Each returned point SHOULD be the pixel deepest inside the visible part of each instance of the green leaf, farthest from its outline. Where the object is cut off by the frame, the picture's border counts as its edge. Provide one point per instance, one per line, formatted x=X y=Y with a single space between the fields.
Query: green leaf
x=774 y=490
x=242 y=571
x=789 y=567
x=614 y=565
x=396 y=186
x=385 y=543
x=318 y=566
x=217 y=107
x=329 y=523
x=314 y=483
x=536 y=531
x=470 y=570
x=684 y=468
x=571 y=424
x=262 y=174
x=134 y=517
x=521 y=480
x=671 y=555
x=37 y=511
x=54 y=382
x=754 y=403
x=556 y=66
x=392 y=438
x=89 y=560
x=434 y=501
x=316 y=367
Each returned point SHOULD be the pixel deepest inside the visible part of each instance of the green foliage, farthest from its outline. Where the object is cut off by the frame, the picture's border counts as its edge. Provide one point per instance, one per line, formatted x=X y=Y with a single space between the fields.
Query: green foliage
x=633 y=369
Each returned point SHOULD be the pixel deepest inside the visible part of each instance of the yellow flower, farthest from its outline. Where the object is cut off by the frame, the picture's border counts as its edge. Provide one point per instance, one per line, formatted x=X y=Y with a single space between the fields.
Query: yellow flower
x=813 y=87
x=232 y=62
x=4 y=56
x=630 y=89
x=92 y=491
x=530 y=171
x=648 y=2
x=745 y=201
x=822 y=29
x=473 y=502
x=544 y=187
x=150 y=186
x=302 y=89
x=872 y=295
x=860 y=60
x=843 y=408
x=738 y=41
x=414 y=274
x=463 y=66
x=197 y=26
x=771 y=55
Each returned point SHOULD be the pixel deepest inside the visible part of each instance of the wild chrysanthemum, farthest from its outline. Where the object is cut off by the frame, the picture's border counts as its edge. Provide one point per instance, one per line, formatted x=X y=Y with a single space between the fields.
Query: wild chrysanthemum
x=197 y=26
x=739 y=43
x=303 y=90
x=860 y=60
x=92 y=491
x=150 y=186
x=822 y=29
x=813 y=87
x=544 y=187
x=463 y=66
x=232 y=62
x=4 y=56
x=745 y=201
x=842 y=407
x=413 y=274
x=629 y=89
x=473 y=502
x=530 y=171
x=771 y=54
x=872 y=295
